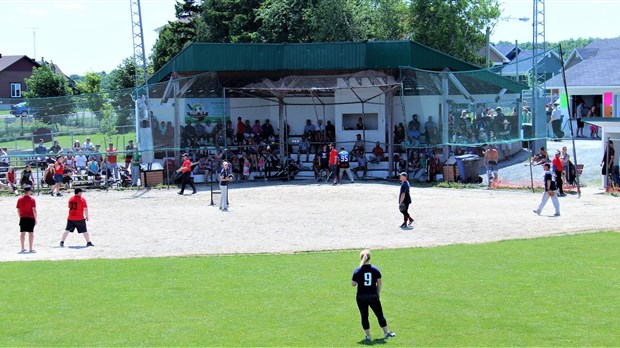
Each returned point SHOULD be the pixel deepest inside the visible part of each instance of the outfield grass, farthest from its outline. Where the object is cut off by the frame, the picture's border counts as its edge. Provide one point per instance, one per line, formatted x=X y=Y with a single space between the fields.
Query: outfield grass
x=560 y=291
x=66 y=141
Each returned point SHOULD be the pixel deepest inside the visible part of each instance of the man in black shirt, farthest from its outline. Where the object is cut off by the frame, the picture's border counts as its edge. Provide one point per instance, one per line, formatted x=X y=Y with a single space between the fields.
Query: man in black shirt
x=324 y=162
x=404 y=199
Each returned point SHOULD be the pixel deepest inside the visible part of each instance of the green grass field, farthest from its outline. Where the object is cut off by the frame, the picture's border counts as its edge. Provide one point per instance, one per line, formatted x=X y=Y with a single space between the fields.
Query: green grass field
x=66 y=141
x=560 y=291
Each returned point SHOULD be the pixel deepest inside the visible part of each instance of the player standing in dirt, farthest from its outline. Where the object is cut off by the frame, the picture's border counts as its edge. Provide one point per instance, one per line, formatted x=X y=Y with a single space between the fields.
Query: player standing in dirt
x=78 y=215
x=404 y=199
x=27 y=212
x=333 y=161
x=367 y=278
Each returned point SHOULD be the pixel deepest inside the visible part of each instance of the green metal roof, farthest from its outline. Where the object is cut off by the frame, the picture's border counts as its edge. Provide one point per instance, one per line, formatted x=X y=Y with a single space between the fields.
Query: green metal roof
x=324 y=56
x=215 y=57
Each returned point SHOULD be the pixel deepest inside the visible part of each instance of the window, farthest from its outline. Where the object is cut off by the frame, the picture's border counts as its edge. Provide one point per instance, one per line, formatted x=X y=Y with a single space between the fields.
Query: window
x=16 y=90
x=369 y=120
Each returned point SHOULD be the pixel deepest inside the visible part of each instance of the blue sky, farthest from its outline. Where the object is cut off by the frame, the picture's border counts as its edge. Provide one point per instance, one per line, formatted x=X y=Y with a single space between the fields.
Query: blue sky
x=95 y=35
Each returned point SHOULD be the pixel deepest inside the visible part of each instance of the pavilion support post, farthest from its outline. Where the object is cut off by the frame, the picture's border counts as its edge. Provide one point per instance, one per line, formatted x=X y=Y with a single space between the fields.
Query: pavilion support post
x=282 y=122
x=445 y=134
x=390 y=126
x=177 y=120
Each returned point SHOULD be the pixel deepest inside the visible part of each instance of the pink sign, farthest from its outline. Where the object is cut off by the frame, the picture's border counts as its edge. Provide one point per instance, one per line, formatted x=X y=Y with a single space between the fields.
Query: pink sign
x=607 y=98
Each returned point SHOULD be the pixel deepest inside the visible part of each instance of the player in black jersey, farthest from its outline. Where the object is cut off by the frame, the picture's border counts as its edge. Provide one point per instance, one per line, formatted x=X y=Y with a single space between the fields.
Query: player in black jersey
x=324 y=162
x=367 y=278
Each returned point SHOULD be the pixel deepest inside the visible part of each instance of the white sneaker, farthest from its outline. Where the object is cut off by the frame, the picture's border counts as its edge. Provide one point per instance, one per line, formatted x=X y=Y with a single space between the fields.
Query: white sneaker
x=367 y=338
x=389 y=334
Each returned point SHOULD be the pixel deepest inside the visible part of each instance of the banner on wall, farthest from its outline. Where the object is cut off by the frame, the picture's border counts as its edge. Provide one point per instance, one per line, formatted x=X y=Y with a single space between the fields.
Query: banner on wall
x=204 y=109
x=608 y=101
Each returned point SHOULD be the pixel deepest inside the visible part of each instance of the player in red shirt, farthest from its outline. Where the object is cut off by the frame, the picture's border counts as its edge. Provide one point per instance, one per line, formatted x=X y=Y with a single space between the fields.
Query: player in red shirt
x=557 y=166
x=27 y=211
x=186 y=174
x=78 y=215
x=333 y=161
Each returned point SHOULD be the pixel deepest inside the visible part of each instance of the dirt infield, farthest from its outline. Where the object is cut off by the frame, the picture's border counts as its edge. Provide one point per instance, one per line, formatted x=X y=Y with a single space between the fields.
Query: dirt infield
x=297 y=217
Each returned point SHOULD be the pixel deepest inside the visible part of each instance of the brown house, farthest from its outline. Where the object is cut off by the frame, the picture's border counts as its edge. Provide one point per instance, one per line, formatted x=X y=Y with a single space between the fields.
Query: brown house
x=13 y=72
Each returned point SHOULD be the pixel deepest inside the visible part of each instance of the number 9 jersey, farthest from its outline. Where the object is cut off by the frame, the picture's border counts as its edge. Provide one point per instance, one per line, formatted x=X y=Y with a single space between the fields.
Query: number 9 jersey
x=366 y=278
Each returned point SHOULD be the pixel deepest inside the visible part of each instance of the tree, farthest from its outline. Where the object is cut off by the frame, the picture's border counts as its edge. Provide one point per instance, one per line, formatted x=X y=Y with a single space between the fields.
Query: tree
x=229 y=21
x=90 y=88
x=455 y=26
x=388 y=19
x=120 y=84
x=46 y=83
x=177 y=35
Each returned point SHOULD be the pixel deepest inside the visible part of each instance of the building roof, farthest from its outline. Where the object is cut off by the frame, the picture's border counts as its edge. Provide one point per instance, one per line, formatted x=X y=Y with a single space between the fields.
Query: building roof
x=504 y=49
x=7 y=61
x=277 y=60
x=597 y=66
x=328 y=56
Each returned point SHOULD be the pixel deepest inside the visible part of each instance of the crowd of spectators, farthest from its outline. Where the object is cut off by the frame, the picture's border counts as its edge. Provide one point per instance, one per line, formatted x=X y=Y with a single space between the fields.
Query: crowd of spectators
x=63 y=167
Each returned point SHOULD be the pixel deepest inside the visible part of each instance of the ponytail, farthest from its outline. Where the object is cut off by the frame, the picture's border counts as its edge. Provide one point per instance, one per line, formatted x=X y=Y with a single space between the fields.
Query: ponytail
x=364 y=256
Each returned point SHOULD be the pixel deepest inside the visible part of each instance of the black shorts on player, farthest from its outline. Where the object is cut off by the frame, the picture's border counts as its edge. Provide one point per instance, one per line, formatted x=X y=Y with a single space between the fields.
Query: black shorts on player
x=26 y=224
x=80 y=225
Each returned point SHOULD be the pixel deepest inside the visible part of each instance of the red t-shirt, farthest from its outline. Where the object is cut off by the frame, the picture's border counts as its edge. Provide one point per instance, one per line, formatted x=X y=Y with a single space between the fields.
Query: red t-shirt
x=557 y=163
x=240 y=128
x=11 y=177
x=333 y=157
x=25 y=205
x=187 y=166
x=77 y=204
x=111 y=158
x=59 y=169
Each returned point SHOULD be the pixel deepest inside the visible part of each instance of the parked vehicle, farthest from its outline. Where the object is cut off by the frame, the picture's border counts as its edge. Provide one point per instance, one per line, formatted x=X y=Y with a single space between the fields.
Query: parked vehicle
x=22 y=109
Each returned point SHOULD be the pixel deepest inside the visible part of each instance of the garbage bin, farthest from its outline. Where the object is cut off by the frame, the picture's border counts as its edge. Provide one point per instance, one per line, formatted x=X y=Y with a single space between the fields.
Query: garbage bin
x=151 y=174
x=468 y=166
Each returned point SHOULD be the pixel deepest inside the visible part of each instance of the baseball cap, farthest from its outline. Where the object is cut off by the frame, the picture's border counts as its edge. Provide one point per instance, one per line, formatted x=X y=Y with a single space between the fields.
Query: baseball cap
x=27 y=188
x=185 y=155
x=403 y=174
x=78 y=190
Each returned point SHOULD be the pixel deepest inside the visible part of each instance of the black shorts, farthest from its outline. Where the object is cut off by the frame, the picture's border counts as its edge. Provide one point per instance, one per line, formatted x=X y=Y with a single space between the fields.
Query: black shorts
x=80 y=225
x=26 y=224
x=324 y=165
x=579 y=123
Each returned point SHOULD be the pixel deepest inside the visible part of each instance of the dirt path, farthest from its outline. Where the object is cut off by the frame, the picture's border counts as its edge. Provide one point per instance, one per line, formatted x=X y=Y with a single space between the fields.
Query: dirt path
x=297 y=217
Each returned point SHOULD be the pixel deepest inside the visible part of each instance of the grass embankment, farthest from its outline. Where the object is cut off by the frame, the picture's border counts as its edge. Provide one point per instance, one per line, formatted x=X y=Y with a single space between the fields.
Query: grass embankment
x=558 y=291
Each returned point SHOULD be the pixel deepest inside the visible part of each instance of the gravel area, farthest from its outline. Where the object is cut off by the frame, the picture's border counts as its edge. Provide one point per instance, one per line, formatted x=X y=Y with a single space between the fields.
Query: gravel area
x=286 y=218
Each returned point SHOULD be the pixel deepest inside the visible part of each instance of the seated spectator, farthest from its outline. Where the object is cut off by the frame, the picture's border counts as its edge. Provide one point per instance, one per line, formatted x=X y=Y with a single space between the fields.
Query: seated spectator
x=304 y=147
x=413 y=136
x=67 y=178
x=76 y=145
x=88 y=145
x=80 y=162
x=309 y=128
x=362 y=164
x=11 y=180
x=48 y=176
x=41 y=151
x=541 y=157
x=26 y=178
x=358 y=146
x=93 y=167
x=55 y=148
x=203 y=165
x=377 y=154
x=201 y=132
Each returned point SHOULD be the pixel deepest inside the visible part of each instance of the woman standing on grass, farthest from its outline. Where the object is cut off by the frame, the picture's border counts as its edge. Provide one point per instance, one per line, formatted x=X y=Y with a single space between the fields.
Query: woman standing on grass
x=367 y=278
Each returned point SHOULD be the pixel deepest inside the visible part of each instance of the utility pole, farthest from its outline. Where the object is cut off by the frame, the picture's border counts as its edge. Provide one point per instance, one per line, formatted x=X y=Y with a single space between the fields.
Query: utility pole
x=144 y=137
x=538 y=76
